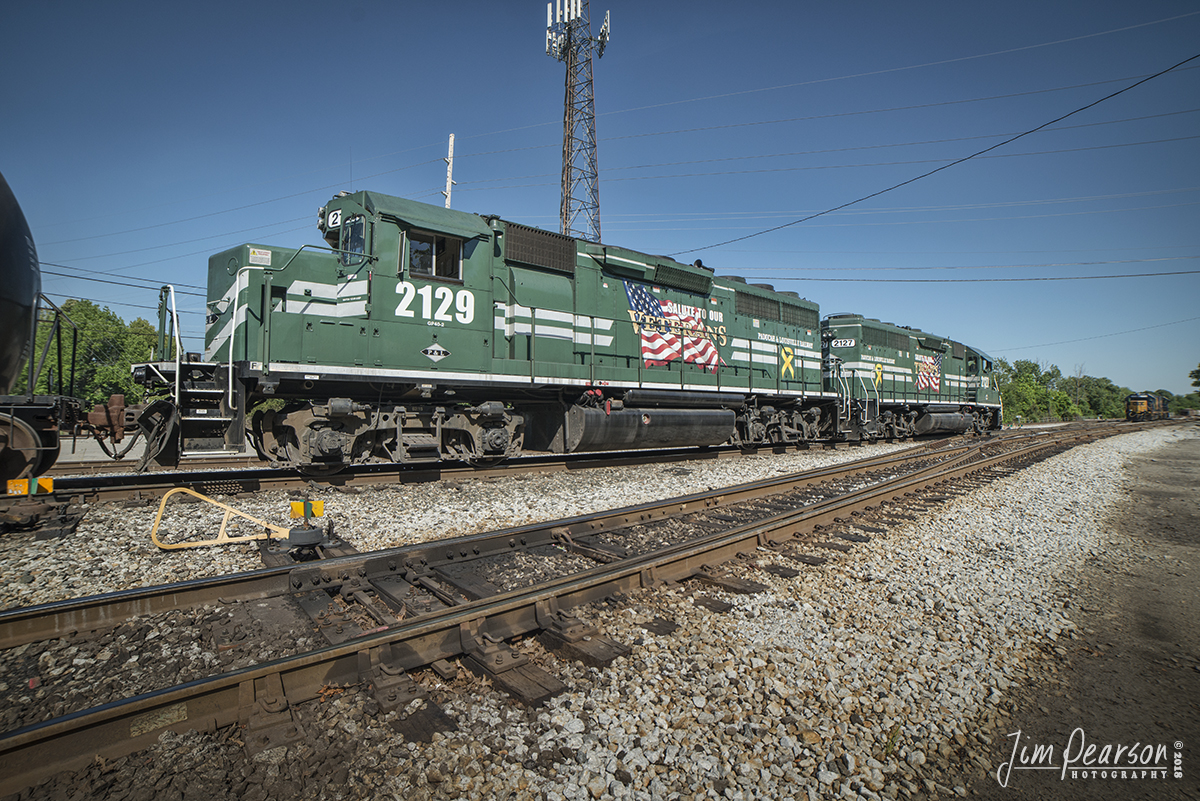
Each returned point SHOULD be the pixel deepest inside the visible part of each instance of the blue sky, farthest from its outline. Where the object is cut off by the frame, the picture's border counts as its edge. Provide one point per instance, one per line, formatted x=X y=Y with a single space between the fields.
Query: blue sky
x=140 y=138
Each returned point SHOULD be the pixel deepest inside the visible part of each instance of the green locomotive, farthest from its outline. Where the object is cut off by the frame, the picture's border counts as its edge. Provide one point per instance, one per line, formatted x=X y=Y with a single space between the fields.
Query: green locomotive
x=906 y=382
x=423 y=333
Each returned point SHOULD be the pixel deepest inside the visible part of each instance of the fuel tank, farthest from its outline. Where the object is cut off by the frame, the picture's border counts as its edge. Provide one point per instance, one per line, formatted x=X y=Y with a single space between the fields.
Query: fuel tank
x=589 y=429
x=949 y=422
x=652 y=398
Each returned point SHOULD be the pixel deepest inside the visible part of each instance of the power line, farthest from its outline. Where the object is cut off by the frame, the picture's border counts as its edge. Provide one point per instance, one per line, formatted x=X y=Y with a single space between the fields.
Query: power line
x=901 y=144
x=115 y=303
x=877 y=164
x=205 y=252
x=860 y=112
x=1098 y=336
x=993 y=266
x=154 y=281
x=468 y=188
x=703 y=216
x=972 y=280
x=117 y=283
x=1010 y=218
x=910 y=67
x=191 y=241
x=236 y=208
x=623 y=111
x=945 y=166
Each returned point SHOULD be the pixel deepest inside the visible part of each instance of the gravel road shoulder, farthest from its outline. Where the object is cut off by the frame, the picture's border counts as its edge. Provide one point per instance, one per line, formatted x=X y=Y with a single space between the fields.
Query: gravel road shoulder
x=1133 y=675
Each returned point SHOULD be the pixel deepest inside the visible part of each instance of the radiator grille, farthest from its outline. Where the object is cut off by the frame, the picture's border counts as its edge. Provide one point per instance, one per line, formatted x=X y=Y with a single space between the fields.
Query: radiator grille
x=539 y=248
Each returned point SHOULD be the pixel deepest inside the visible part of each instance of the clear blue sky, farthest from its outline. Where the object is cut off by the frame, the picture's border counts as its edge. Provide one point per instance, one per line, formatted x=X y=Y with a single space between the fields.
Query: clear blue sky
x=142 y=137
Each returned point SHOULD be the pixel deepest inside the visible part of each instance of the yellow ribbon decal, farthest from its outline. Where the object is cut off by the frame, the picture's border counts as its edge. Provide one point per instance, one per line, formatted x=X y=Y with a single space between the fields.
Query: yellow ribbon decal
x=878 y=374
x=788 y=353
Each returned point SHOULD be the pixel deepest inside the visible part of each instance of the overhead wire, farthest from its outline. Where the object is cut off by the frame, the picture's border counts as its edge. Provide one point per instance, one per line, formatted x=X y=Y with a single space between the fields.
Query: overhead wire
x=989 y=266
x=653 y=133
x=890 y=70
x=944 y=166
x=1098 y=336
x=976 y=280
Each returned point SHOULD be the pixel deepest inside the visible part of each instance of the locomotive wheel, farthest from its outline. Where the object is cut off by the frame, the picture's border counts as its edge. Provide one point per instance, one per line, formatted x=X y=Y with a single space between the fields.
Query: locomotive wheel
x=47 y=456
x=291 y=453
x=19 y=445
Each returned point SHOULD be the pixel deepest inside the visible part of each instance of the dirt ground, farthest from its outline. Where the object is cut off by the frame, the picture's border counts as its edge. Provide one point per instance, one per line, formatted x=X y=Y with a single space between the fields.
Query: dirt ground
x=1133 y=678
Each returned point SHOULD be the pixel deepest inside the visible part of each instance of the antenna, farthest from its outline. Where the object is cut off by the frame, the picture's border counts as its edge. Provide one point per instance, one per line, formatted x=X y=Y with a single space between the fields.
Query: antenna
x=449 y=171
x=569 y=39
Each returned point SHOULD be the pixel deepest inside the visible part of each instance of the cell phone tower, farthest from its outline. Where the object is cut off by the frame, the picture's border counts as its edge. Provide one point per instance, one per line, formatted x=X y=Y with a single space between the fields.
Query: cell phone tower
x=569 y=39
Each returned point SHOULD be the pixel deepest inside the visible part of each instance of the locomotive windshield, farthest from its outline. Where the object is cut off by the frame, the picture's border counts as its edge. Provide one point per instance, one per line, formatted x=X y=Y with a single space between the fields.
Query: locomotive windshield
x=354 y=242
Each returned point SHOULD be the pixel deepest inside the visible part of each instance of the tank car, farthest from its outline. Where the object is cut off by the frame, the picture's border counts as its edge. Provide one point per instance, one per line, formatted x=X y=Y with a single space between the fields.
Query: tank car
x=29 y=423
x=421 y=333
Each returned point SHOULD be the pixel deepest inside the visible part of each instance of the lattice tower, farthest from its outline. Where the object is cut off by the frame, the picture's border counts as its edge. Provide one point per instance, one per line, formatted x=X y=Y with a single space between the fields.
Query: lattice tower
x=569 y=39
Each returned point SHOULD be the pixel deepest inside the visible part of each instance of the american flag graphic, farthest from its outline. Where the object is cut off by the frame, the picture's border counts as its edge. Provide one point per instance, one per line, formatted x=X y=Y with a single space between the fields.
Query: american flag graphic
x=668 y=334
x=929 y=372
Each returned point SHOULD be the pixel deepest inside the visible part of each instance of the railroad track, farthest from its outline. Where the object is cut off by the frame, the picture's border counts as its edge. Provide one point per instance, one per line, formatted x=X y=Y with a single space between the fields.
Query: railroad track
x=373 y=617
x=104 y=481
x=58 y=513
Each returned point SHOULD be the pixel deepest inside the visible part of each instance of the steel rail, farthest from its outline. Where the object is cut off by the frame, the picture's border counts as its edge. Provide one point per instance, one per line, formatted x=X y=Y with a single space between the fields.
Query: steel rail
x=259 y=477
x=60 y=618
x=70 y=742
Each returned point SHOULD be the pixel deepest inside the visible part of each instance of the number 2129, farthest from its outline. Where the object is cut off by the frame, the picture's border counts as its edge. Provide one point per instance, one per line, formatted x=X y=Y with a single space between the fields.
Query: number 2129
x=443 y=297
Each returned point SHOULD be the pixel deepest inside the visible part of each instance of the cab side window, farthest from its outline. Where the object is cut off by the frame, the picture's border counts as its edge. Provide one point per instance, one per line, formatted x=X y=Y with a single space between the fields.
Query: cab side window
x=435 y=256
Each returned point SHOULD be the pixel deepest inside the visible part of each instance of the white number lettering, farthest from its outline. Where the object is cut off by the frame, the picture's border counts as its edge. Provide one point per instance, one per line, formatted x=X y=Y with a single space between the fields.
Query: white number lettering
x=426 y=293
x=465 y=303
x=406 y=291
x=446 y=295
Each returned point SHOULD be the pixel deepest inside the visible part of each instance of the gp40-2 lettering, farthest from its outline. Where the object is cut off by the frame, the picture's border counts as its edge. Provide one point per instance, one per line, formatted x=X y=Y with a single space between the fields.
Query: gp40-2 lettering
x=436 y=303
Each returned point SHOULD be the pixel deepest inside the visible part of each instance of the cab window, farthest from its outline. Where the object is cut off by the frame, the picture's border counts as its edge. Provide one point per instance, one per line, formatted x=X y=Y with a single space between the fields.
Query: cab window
x=354 y=241
x=435 y=256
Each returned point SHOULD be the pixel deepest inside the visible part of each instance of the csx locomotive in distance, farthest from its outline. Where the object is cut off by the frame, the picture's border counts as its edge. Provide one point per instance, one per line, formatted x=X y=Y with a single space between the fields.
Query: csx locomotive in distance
x=424 y=333
x=1145 y=406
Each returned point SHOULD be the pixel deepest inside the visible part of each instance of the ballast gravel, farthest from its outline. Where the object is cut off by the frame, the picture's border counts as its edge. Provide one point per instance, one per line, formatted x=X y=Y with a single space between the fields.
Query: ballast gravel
x=111 y=550
x=884 y=673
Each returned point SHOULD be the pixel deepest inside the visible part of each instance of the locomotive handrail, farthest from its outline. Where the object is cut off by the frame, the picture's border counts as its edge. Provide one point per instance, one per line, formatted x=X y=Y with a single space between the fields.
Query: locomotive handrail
x=169 y=291
x=368 y=258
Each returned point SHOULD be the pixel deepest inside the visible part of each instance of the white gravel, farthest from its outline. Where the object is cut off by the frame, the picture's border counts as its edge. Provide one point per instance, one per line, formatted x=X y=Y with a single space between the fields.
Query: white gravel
x=880 y=674
x=913 y=640
x=111 y=550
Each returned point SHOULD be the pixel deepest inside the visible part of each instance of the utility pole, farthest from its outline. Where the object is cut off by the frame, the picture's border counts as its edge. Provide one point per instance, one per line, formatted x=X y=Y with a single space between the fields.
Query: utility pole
x=449 y=171
x=569 y=39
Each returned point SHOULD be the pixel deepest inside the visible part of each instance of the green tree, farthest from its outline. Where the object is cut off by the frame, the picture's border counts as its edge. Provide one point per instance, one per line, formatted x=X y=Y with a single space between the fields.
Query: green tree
x=1038 y=391
x=105 y=346
x=1181 y=403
